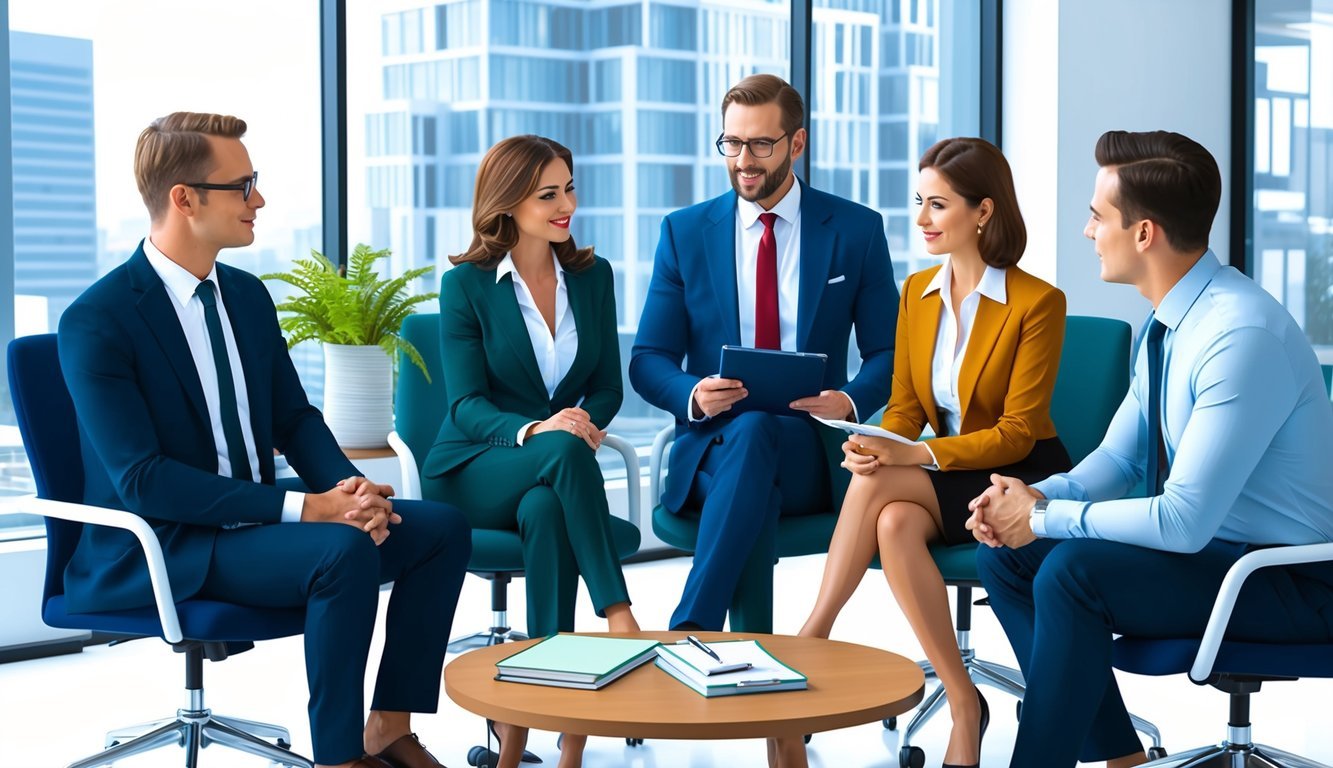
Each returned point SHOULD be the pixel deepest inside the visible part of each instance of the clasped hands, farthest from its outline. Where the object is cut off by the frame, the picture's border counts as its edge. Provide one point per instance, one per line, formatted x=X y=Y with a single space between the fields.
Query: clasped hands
x=1000 y=515
x=575 y=421
x=355 y=501
x=716 y=395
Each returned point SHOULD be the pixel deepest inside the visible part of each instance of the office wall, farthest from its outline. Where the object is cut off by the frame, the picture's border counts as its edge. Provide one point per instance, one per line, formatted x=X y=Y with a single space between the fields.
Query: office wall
x=1074 y=69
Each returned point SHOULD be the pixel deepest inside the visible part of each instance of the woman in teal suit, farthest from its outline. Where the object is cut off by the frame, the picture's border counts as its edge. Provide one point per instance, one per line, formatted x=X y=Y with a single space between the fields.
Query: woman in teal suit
x=532 y=371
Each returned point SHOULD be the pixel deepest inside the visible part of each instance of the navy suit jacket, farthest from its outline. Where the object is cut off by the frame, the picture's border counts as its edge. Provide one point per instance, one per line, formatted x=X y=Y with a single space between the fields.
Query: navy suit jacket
x=145 y=437
x=846 y=280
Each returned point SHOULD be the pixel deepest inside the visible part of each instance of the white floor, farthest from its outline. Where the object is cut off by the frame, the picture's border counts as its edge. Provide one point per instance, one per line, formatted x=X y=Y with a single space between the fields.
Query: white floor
x=53 y=711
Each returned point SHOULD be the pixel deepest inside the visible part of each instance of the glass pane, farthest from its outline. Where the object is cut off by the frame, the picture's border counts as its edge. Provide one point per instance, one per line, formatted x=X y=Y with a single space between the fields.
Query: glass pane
x=887 y=85
x=85 y=84
x=636 y=102
x=1292 y=254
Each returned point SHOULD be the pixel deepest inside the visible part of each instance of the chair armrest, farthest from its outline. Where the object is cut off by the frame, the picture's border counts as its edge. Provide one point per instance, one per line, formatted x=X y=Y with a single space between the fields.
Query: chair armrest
x=632 y=481
x=657 y=462
x=115 y=518
x=1230 y=590
x=410 y=487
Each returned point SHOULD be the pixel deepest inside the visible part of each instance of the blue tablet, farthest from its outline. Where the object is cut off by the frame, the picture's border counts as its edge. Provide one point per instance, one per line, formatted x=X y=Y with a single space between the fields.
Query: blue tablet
x=773 y=377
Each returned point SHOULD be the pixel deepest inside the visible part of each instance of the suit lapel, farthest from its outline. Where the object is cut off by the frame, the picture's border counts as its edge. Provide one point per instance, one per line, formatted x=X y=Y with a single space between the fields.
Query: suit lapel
x=160 y=316
x=991 y=316
x=509 y=319
x=586 y=325
x=818 y=240
x=719 y=238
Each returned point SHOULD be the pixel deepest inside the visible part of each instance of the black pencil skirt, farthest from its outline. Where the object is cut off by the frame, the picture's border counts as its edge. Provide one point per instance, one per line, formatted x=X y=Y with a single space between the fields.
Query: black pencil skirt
x=955 y=489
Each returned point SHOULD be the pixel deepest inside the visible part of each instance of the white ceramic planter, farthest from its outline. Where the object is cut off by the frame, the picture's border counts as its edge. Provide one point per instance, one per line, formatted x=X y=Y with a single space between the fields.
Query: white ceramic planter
x=358 y=395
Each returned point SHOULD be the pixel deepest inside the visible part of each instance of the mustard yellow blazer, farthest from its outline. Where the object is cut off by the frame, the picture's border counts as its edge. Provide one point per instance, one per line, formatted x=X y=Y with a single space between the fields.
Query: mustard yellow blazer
x=1006 y=379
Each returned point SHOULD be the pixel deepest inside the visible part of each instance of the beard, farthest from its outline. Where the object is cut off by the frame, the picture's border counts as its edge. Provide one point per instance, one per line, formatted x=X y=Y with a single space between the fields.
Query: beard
x=772 y=180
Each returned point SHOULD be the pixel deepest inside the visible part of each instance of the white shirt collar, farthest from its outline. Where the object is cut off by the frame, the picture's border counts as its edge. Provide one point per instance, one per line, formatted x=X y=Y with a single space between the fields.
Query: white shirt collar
x=992 y=284
x=787 y=208
x=178 y=280
x=506 y=266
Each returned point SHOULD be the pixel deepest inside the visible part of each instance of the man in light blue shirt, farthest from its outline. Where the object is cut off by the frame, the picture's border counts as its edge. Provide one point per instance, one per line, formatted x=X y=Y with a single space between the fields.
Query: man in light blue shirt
x=1240 y=460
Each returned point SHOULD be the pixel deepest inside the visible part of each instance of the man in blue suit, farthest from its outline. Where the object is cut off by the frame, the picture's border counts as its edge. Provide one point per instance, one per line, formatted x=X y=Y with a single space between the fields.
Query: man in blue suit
x=772 y=264
x=183 y=388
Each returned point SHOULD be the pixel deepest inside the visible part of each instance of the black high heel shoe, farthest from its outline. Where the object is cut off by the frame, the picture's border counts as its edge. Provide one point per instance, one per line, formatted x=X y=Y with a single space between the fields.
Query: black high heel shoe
x=985 y=723
x=485 y=758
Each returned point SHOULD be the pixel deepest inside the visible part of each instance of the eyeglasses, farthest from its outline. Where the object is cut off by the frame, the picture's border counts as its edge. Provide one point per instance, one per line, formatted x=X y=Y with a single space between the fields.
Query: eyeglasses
x=244 y=187
x=757 y=147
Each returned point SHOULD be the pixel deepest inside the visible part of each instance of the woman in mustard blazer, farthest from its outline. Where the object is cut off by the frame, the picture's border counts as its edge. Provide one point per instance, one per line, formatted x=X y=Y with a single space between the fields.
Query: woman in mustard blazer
x=532 y=375
x=978 y=346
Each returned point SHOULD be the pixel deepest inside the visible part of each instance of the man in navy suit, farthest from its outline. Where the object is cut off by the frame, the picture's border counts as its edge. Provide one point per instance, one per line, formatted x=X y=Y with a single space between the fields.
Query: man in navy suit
x=183 y=388
x=772 y=264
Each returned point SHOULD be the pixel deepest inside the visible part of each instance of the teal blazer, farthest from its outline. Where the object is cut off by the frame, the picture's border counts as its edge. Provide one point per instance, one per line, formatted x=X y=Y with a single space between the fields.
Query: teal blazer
x=491 y=377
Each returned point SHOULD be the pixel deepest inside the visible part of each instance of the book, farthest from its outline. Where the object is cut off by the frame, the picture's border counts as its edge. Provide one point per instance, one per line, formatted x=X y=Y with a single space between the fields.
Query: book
x=763 y=675
x=871 y=430
x=575 y=661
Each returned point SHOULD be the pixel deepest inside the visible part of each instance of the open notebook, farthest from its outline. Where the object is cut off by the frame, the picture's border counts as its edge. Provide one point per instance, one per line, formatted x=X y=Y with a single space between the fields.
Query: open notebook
x=764 y=674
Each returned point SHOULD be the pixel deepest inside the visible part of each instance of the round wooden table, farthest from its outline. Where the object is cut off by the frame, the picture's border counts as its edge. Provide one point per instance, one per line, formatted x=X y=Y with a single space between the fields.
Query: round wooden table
x=848 y=685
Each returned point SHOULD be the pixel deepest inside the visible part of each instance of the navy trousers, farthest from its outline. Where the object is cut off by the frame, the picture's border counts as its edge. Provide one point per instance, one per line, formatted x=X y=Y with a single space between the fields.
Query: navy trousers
x=335 y=572
x=1060 y=601
x=758 y=467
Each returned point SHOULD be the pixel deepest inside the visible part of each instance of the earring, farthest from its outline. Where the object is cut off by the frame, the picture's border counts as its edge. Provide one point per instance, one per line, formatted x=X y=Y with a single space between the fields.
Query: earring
x=978 y=227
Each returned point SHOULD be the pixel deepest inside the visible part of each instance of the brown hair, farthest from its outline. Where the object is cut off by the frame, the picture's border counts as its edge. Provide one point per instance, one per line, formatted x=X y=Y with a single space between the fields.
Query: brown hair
x=174 y=150
x=976 y=170
x=768 y=89
x=1167 y=178
x=506 y=176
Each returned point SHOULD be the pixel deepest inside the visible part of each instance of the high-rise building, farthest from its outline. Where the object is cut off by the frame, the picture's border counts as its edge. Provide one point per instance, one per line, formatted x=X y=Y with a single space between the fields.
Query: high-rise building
x=55 y=204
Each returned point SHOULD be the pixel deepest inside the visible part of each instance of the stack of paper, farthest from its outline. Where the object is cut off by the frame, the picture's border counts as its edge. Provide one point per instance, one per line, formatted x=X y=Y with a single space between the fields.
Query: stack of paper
x=691 y=666
x=575 y=661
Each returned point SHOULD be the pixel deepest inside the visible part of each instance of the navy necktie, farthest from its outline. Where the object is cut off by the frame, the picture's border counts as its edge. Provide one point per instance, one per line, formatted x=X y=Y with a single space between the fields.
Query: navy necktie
x=231 y=417
x=1157 y=466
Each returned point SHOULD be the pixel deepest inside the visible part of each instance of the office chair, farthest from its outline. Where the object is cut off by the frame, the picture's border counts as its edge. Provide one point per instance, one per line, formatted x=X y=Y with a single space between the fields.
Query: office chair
x=1236 y=668
x=1092 y=380
x=497 y=555
x=197 y=628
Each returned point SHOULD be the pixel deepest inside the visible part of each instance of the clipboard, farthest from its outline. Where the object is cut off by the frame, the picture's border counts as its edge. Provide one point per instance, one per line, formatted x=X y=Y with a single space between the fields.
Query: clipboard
x=773 y=377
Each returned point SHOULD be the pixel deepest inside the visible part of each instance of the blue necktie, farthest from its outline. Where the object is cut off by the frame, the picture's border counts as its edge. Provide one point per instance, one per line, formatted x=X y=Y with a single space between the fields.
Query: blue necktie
x=1157 y=466
x=231 y=418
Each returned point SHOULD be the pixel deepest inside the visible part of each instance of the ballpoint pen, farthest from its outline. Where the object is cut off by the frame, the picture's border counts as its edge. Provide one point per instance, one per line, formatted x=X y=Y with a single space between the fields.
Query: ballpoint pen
x=697 y=643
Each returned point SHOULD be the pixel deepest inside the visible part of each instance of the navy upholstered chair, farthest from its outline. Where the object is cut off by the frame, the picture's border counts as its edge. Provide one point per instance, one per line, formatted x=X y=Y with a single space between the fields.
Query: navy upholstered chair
x=198 y=629
x=1237 y=668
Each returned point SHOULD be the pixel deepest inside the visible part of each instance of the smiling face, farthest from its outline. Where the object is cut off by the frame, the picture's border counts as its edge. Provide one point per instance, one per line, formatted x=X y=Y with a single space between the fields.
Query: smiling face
x=763 y=180
x=1116 y=244
x=947 y=221
x=545 y=214
x=223 y=218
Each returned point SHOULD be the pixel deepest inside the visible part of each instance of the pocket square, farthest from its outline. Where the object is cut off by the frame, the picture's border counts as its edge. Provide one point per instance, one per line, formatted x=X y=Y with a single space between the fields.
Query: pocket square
x=837 y=279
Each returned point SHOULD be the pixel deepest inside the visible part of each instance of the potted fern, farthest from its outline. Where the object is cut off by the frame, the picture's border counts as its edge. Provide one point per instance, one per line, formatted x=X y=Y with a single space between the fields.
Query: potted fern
x=355 y=315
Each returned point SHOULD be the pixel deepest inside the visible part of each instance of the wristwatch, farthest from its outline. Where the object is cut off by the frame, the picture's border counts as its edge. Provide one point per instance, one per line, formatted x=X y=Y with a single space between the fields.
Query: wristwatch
x=1037 y=517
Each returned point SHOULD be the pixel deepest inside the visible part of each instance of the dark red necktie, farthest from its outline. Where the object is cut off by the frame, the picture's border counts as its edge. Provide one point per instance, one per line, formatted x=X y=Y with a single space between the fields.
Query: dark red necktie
x=767 y=335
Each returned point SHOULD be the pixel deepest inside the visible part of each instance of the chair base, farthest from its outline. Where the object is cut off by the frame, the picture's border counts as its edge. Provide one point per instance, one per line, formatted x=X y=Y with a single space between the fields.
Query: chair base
x=195 y=729
x=1227 y=755
x=492 y=636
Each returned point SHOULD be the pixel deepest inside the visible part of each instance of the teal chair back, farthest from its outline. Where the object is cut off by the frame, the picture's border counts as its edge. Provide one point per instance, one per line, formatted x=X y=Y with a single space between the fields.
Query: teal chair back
x=1328 y=378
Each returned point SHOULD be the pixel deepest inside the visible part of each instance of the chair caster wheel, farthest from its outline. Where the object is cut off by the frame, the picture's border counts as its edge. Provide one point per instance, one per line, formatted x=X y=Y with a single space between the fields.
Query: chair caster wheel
x=1018 y=710
x=1156 y=753
x=808 y=736
x=890 y=723
x=284 y=744
x=911 y=757
x=482 y=757
x=630 y=741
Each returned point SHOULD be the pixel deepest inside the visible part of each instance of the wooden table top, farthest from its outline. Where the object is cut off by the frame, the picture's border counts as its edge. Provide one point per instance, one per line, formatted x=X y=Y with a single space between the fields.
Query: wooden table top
x=848 y=685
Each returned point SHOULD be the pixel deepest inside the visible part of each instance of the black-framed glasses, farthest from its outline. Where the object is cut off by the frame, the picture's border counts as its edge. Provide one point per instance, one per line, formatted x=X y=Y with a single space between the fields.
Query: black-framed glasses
x=244 y=187
x=758 y=147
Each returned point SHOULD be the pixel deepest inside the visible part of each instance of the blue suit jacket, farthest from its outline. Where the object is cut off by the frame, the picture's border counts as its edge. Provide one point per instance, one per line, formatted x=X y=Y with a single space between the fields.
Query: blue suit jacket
x=846 y=280
x=145 y=436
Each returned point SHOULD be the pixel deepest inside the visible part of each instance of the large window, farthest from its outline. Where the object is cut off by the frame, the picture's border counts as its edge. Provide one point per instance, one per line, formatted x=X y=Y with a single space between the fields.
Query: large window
x=1290 y=181
x=86 y=77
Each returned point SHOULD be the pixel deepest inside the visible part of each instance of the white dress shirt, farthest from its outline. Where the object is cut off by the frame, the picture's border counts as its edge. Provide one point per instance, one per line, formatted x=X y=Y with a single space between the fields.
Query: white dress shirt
x=787 y=232
x=554 y=352
x=181 y=285
x=953 y=336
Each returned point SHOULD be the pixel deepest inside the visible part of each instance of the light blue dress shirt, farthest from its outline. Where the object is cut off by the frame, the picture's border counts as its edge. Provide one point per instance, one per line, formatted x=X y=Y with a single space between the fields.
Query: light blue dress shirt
x=1246 y=421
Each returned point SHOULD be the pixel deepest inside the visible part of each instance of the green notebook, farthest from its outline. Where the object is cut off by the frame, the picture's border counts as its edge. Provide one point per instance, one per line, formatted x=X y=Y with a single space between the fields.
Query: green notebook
x=575 y=661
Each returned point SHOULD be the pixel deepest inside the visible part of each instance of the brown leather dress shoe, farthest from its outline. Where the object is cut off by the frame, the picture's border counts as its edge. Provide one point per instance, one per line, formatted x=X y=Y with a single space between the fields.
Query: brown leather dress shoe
x=407 y=752
x=370 y=761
